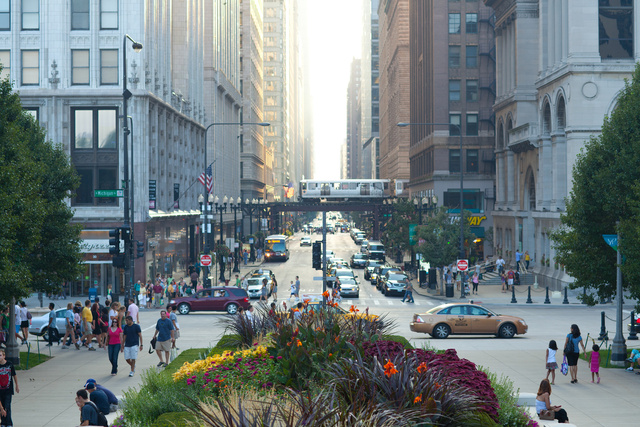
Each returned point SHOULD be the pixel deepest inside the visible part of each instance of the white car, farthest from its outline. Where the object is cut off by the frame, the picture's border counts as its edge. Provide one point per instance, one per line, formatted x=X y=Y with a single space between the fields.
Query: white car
x=349 y=287
x=40 y=325
x=305 y=241
x=255 y=286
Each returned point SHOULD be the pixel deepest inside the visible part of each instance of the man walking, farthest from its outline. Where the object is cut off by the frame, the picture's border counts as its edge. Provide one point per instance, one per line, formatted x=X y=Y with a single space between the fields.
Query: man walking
x=164 y=332
x=171 y=314
x=408 y=291
x=133 y=311
x=51 y=327
x=87 y=322
x=297 y=287
x=518 y=258
x=69 y=319
x=500 y=264
x=157 y=294
x=132 y=339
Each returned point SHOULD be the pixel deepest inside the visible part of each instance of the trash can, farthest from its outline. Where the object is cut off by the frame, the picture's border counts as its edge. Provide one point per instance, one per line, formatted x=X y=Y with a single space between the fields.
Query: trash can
x=449 y=290
x=93 y=294
x=433 y=280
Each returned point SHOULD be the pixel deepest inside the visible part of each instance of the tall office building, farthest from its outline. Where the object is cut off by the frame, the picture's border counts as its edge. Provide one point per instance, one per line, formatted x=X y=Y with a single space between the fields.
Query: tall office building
x=369 y=91
x=353 y=122
x=66 y=60
x=561 y=65
x=459 y=91
x=253 y=155
x=394 y=88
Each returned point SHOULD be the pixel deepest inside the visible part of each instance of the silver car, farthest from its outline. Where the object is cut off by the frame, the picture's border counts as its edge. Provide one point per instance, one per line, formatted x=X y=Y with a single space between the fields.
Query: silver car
x=349 y=287
x=255 y=286
x=40 y=325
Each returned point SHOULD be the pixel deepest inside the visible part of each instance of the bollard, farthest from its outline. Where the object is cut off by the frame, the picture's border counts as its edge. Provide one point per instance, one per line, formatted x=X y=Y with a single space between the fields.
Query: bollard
x=566 y=298
x=513 y=295
x=546 y=299
x=603 y=330
x=529 y=301
x=633 y=335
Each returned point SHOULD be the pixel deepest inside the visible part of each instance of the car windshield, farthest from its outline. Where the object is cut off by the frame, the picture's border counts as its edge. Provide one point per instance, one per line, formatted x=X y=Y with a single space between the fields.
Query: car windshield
x=397 y=277
x=344 y=273
x=374 y=264
x=359 y=256
x=275 y=247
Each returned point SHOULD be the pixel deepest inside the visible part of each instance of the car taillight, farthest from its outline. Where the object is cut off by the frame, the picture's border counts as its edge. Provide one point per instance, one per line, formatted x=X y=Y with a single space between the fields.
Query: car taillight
x=246 y=299
x=418 y=319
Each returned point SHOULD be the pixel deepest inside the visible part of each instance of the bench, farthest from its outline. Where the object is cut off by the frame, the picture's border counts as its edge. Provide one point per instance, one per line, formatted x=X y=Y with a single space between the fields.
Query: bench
x=528 y=402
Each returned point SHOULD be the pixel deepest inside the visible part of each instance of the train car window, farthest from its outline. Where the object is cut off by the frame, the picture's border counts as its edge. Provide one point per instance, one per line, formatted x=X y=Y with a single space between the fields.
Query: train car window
x=386 y=185
x=304 y=185
x=345 y=185
x=336 y=185
x=353 y=186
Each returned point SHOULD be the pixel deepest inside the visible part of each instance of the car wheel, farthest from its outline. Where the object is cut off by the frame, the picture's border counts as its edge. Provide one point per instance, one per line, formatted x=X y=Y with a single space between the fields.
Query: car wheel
x=508 y=330
x=232 y=308
x=184 y=308
x=441 y=331
x=54 y=333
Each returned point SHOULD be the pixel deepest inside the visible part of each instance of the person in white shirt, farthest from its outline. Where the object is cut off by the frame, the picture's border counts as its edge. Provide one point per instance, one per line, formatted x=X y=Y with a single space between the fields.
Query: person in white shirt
x=176 y=326
x=500 y=264
x=133 y=311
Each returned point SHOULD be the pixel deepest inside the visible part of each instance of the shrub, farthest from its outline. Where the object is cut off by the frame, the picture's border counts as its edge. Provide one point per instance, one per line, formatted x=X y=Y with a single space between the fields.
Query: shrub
x=176 y=419
x=399 y=339
x=509 y=414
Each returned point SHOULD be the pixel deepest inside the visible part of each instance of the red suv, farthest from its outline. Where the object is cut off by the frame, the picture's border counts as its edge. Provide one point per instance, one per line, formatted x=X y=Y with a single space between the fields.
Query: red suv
x=221 y=298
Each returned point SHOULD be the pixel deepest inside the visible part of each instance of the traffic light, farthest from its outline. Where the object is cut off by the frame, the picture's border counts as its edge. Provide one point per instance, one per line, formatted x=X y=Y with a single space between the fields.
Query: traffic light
x=317 y=255
x=114 y=241
x=139 y=249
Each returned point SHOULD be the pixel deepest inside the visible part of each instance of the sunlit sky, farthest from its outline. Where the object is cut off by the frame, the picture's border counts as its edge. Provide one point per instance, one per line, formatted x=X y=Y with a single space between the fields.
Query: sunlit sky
x=334 y=37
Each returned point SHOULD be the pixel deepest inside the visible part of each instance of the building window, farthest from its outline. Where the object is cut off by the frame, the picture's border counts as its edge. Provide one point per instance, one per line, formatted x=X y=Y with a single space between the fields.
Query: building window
x=454 y=23
x=108 y=14
x=454 y=90
x=34 y=111
x=109 y=67
x=5 y=61
x=454 y=161
x=616 y=29
x=94 y=154
x=471 y=26
x=30 y=68
x=472 y=56
x=5 y=15
x=471 y=199
x=454 y=56
x=79 y=67
x=472 y=161
x=30 y=14
x=241 y=170
x=454 y=119
x=472 y=124
x=472 y=90
x=79 y=14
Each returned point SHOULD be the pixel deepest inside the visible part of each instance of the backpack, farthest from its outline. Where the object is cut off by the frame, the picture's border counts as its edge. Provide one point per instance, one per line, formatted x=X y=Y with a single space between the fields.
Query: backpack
x=102 y=420
x=568 y=348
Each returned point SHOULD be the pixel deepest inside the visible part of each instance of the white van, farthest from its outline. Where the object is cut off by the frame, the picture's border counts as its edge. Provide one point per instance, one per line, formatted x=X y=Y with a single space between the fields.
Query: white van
x=376 y=246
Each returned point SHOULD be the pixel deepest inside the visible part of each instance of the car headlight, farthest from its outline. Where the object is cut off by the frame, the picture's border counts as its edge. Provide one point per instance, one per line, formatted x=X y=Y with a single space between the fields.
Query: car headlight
x=523 y=322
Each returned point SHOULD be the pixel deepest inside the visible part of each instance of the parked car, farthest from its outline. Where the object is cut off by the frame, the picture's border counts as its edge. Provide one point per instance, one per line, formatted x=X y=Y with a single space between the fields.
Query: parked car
x=393 y=283
x=466 y=319
x=364 y=245
x=305 y=241
x=349 y=287
x=220 y=298
x=40 y=325
x=379 y=255
x=358 y=260
x=370 y=266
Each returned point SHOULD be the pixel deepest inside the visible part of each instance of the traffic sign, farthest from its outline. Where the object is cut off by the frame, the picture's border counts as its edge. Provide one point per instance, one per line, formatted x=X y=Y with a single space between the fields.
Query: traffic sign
x=205 y=260
x=108 y=193
x=612 y=240
x=463 y=265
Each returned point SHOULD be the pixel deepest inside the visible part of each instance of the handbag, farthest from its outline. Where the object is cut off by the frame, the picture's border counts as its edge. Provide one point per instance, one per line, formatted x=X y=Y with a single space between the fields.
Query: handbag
x=153 y=345
x=547 y=414
x=564 y=368
x=174 y=354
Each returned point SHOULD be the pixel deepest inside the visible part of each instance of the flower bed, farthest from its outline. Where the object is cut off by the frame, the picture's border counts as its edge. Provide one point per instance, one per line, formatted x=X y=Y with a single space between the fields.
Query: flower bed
x=199 y=366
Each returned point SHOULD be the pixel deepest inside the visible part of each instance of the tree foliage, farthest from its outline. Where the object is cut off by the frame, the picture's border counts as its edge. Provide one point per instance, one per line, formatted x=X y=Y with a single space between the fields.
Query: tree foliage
x=605 y=199
x=396 y=228
x=39 y=247
x=438 y=239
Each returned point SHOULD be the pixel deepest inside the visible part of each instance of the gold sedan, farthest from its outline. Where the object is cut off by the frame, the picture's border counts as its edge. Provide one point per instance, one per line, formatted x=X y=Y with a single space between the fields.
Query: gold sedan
x=466 y=319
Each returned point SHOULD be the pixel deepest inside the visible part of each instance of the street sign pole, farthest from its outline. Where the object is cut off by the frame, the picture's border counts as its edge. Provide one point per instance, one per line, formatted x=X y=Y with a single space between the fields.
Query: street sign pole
x=619 y=347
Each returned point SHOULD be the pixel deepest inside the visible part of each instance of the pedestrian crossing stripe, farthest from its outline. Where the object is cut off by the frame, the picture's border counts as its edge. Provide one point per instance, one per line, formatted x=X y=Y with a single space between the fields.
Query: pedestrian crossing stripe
x=366 y=302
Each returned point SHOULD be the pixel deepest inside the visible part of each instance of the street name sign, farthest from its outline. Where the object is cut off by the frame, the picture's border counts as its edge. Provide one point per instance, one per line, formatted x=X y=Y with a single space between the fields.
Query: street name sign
x=108 y=193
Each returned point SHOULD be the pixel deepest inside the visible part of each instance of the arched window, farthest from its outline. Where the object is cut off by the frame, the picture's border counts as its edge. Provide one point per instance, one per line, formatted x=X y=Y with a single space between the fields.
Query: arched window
x=500 y=144
x=546 y=119
x=531 y=190
x=562 y=114
x=509 y=127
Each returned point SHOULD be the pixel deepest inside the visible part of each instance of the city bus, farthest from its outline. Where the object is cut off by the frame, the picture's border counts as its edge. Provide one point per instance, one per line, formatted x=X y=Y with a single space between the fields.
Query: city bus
x=276 y=247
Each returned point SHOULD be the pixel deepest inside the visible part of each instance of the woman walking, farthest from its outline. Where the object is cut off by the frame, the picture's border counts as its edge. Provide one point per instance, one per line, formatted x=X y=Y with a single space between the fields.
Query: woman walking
x=115 y=342
x=572 y=351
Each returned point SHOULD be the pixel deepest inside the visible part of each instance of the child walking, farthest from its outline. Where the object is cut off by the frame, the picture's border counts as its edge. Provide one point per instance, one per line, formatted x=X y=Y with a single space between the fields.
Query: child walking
x=595 y=363
x=552 y=365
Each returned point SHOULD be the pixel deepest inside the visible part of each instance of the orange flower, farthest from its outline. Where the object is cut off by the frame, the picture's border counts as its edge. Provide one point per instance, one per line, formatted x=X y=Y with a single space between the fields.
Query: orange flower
x=438 y=386
x=353 y=309
x=336 y=338
x=325 y=294
x=390 y=369
x=330 y=354
x=418 y=399
x=299 y=343
x=422 y=367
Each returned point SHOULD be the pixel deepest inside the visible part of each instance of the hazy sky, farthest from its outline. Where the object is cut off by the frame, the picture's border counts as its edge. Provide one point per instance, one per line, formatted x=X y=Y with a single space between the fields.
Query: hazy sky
x=335 y=33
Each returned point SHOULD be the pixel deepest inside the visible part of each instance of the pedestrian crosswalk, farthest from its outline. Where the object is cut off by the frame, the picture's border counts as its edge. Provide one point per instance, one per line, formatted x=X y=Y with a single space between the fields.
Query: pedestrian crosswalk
x=379 y=302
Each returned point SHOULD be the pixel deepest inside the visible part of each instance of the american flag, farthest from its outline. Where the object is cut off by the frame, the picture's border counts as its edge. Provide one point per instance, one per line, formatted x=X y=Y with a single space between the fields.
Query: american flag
x=201 y=178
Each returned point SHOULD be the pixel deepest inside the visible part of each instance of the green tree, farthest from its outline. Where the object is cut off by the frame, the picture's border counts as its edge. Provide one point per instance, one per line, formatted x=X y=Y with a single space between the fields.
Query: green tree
x=396 y=229
x=605 y=199
x=39 y=247
x=438 y=239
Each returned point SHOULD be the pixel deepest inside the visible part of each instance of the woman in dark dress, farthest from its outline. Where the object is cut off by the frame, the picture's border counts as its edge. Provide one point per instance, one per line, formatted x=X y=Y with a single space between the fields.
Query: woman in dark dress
x=572 y=342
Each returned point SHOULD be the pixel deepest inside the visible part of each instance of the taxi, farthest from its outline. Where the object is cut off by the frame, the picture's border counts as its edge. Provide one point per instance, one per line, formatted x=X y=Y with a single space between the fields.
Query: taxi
x=466 y=319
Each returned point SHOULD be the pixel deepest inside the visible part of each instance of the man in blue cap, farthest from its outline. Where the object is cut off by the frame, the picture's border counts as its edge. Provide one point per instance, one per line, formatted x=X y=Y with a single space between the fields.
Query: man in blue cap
x=111 y=398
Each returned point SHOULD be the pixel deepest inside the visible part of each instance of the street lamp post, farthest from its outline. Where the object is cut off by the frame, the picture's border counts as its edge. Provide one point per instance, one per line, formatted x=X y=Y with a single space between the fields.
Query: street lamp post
x=126 y=94
x=221 y=207
x=206 y=209
x=234 y=207
x=462 y=252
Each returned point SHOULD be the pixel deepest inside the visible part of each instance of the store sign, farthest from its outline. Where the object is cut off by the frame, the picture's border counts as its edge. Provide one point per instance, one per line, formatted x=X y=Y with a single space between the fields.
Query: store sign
x=97 y=246
x=152 y=194
x=476 y=220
